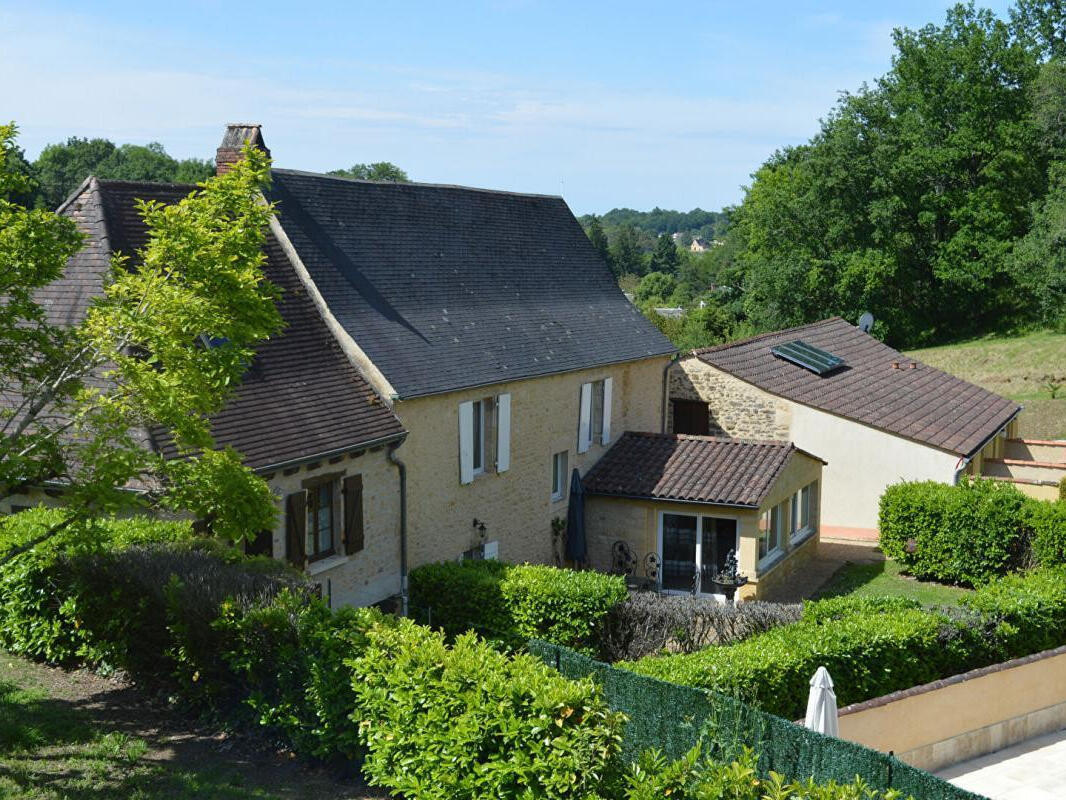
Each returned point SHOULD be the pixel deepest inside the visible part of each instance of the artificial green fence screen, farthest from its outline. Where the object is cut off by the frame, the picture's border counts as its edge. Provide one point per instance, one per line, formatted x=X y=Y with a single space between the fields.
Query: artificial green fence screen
x=672 y=718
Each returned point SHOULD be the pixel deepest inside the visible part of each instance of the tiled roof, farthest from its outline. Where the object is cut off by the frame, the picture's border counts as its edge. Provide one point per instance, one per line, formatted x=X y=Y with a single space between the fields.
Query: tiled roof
x=301 y=398
x=695 y=469
x=921 y=403
x=445 y=287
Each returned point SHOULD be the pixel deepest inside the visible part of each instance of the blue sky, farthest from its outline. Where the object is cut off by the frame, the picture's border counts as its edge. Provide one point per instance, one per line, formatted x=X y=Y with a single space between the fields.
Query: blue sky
x=608 y=104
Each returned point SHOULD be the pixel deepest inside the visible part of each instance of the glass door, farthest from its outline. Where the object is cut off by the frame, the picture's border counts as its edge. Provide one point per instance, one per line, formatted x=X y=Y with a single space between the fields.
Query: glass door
x=719 y=536
x=679 y=552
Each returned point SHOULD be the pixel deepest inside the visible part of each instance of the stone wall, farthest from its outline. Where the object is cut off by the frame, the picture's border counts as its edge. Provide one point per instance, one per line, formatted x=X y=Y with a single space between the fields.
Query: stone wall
x=516 y=505
x=737 y=409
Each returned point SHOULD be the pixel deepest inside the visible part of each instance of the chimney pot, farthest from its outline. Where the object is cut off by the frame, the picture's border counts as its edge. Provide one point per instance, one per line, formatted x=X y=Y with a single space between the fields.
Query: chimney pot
x=233 y=140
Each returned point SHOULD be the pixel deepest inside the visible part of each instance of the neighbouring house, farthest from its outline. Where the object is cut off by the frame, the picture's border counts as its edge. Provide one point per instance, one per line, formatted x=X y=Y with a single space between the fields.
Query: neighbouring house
x=675 y=506
x=699 y=245
x=304 y=418
x=874 y=414
x=494 y=332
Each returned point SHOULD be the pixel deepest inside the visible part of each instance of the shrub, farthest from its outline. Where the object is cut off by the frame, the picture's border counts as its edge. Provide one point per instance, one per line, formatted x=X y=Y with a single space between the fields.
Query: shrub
x=694 y=777
x=513 y=603
x=648 y=623
x=1047 y=521
x=967 y=533
x=874 y=646
x=1062 y=489
x=470 y=722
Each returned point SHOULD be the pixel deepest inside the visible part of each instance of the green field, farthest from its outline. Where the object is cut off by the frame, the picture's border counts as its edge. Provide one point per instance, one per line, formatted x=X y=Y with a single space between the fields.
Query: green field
x=883 y=579
x=1017 y=367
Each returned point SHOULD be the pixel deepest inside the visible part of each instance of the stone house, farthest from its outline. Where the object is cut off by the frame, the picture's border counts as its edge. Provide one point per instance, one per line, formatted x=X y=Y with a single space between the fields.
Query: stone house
x=675 y=506
x=875 y=415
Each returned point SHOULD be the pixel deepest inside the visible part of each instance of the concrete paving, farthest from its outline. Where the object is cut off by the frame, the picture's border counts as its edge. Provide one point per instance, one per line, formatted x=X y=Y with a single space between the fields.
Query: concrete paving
x=1032 y=770
x=832 y=555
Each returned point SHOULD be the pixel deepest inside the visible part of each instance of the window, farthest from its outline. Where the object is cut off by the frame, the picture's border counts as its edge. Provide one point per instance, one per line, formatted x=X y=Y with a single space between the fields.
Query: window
x=594 y=420
x=772 y=530
x=319 y=535
x=479 y=437
x=691 y=416
x=484 y=430
x=804 y=513
x=559 y=476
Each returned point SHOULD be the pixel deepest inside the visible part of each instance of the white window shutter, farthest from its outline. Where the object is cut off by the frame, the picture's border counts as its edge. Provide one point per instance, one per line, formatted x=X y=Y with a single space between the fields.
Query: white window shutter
x=606 y=434
x=503 y=433
x=584 y=426
x=466 y=442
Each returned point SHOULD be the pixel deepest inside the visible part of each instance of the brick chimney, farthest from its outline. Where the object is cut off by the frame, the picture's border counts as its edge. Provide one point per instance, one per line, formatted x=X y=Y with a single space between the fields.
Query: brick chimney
x=237 y=133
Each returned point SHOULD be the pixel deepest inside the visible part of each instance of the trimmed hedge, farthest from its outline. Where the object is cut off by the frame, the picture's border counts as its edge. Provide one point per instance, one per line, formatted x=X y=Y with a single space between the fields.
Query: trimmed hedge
x=966 y=533
x=512 y=603
x=465 y=722
x=874 y=646
x=971 y=532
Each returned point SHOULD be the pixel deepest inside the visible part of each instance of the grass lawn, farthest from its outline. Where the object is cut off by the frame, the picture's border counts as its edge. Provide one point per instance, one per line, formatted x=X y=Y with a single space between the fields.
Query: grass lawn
x=883 y=578
x=1015 y=367
x=79 y=736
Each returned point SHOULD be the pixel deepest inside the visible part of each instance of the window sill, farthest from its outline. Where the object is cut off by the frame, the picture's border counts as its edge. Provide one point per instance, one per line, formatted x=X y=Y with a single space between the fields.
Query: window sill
x=769 y=561
x=801 y=536
x=324 y=564
x=558 y=498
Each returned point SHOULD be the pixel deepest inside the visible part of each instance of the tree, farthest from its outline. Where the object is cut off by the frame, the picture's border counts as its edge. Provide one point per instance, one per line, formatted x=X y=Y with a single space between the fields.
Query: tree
x=655 y=288
x=1038 y=260
x=378 y=171
x=627 y=255
x=60 y=168
x=84 y=397
x=665 y=257
x=594 y=230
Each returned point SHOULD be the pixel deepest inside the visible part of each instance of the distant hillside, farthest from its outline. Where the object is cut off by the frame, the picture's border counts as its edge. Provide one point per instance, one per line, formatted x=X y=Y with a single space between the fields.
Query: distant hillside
x=697 y=222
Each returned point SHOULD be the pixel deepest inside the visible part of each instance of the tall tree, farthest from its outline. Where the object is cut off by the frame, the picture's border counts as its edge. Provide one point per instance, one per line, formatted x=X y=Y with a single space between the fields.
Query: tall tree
x=627 y=256
x=81 y=398
x=598 y=238
x=378 y=171
x=665 y=257
x=60 y=168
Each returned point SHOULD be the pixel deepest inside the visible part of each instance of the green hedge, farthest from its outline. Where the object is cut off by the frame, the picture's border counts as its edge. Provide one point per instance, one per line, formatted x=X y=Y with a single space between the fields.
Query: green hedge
x=511 y=603
x=1047 y=522
x=465 y=722
x=874 y=646
x=966 y=533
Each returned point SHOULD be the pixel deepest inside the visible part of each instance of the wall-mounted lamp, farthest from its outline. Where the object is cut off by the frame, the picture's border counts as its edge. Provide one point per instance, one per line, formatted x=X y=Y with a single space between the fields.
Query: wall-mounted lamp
x=480 y=525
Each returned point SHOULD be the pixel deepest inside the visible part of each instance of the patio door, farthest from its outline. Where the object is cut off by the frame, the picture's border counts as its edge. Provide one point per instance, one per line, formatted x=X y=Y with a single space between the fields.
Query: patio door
x=693 y=548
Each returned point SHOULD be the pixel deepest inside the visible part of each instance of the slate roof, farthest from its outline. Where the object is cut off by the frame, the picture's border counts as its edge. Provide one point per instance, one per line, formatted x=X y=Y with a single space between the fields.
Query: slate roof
x=922 y=404
x=446 y=287
x=301 y=397
x=693 y=469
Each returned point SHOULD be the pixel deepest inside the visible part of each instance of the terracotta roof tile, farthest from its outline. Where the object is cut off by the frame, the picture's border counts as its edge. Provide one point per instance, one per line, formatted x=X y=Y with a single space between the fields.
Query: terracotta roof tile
x=922 y=404
x=703 y=469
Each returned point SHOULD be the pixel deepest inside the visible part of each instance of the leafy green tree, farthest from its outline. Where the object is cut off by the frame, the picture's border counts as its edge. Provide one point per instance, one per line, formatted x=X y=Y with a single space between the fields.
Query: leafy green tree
x=378 y=171
x=83 y=397
x=598 y=238
x=909 y=199
x=665 y=257
x=655 y=288
x=627 y=255
x=705 y=325
x=60 y=168
x=1038 y=260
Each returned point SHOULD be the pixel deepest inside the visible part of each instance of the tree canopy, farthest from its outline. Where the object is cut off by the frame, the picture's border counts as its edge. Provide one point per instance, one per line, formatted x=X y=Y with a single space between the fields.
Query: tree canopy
x=378 y=171
x=81 y=398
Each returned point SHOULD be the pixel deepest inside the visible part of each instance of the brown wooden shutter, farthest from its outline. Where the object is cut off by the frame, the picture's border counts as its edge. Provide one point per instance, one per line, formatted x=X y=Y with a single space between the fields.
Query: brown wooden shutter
x=353 y=514
x=296 y=527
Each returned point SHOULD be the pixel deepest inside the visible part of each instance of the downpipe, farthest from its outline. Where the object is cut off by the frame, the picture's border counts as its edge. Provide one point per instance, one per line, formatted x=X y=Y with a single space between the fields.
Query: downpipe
x=401 y=468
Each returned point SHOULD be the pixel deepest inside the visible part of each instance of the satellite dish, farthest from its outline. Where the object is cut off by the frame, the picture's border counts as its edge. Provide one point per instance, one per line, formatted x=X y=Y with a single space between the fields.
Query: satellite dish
x=866 y=322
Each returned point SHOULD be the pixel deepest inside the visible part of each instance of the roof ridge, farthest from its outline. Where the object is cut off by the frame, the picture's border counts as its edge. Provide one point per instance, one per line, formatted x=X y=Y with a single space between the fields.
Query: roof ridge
x=108 y=182
x=400 y=184
x=727 y=345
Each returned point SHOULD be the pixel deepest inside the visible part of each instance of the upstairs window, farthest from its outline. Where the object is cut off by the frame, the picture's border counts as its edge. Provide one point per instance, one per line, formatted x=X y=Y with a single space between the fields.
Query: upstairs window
x=319 y=537
x=484 y=436
x=559 y=476
x=594 y=415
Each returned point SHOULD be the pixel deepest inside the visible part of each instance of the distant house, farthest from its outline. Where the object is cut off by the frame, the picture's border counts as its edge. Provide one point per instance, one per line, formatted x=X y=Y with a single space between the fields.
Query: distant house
x=699 y=245
x=875 y=415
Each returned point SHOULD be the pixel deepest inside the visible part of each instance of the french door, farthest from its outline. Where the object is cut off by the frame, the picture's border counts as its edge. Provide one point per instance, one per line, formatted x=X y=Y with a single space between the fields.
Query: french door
x=693 y=548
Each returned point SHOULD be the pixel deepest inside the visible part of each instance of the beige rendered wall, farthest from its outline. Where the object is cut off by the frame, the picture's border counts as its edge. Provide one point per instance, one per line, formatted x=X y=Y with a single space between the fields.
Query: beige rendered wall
x=949 y=721
x=636 y=522
x=372 y=574
x=515 y=505
x=862 y=463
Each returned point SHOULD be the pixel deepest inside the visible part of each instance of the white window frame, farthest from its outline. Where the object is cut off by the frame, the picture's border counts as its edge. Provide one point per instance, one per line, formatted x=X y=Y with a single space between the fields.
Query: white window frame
x=584 y=420
x=477 y=440
x=699 y=545
x=503 y=432
x=778 y=532
x=801 y=532
x=559 y=475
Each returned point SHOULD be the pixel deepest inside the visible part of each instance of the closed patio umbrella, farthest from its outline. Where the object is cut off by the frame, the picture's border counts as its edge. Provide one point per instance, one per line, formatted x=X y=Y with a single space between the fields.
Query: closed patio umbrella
x=822 y=705
x=576 y=547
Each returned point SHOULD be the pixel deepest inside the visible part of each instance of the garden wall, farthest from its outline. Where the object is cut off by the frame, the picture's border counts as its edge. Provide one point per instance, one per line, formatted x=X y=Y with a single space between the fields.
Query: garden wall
x=965 y=716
